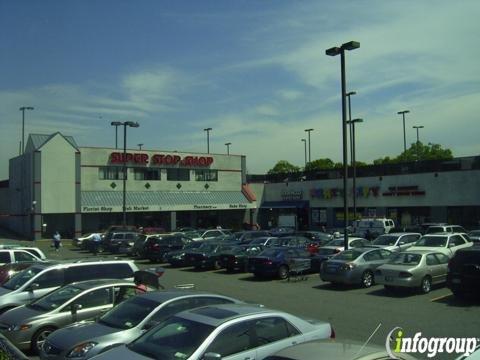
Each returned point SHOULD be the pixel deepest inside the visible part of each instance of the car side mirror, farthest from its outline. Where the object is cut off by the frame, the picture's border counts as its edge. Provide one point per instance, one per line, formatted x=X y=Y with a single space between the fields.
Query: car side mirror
x=74 y=308
x=211 y=356
x=33 y=287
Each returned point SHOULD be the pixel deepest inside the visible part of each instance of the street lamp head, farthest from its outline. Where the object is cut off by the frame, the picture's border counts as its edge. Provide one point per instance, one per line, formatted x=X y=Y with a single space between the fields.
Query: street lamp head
x=403 y=112
x=351 y=93
x=207 y=129
x=304 y=140
x=418 y=127
x=26 y=108
x=132 y=124
x=353 y=121
x=228 y=144
x=334 y=51
x=351 y=45
x=308 y=130
x=116 y=123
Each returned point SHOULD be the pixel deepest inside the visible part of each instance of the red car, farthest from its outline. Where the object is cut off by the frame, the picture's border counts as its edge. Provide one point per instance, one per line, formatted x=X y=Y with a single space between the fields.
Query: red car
x=8 y=270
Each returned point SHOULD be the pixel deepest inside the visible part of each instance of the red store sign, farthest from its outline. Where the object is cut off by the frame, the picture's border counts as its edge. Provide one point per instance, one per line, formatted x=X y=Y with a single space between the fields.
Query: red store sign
x=160 y=159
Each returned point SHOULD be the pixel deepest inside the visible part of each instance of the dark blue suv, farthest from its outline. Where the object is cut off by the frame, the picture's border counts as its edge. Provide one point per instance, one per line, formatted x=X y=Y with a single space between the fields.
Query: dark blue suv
x=276 y=261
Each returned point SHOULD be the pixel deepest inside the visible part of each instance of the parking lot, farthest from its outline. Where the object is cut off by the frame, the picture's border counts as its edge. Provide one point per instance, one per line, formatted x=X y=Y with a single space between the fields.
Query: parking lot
x=354 y=312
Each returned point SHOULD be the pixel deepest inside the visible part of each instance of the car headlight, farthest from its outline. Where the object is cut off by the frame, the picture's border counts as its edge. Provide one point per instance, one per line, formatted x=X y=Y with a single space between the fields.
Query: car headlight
x=21 y=327
x=81 y=350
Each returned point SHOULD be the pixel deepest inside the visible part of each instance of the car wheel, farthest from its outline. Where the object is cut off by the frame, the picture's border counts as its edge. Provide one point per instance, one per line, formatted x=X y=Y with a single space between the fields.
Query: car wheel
x=426 y=285
x=367 y=279
x=283 y=272
x=39 y=338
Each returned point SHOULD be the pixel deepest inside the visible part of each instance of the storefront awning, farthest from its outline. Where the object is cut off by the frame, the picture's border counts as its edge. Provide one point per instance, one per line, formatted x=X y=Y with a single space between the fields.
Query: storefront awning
x=284 y=204
x=111 y=201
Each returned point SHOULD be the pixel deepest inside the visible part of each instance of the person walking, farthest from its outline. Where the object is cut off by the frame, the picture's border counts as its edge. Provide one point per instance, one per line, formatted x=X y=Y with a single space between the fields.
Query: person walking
x=96 y=239
x=57 y=241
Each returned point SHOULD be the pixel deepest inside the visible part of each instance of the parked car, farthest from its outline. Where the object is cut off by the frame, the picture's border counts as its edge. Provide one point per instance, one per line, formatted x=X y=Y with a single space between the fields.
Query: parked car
x=323 y=254
x=207 y=255
x=237 y=257
x=158 y=246
x=426 y=225
x=266 y=241
x=82 y=241
x=335 y=350
x=373 y=226
x=445 y=243
x=464 y=272
x=40 y=279
x=413 y=269
x=294 y=241
x=317 y=239
x=125 y=323
x=231 y=332
x=275 y=261
x=245 y=237
x=474 y=236
x=212 y=234
x=28 y=326
x=177 y=257
x=32 y=250
x=12 y=256
x=116 y=242
x=433 y=229
x=396 y=242
x=138 y=248
x=338 y=245
x=8 y=270
x=354 y=266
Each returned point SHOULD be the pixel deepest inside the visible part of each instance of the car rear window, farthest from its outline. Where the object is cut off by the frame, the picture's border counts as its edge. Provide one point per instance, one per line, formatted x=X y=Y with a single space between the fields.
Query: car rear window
x=432 y=241
x=406 y=259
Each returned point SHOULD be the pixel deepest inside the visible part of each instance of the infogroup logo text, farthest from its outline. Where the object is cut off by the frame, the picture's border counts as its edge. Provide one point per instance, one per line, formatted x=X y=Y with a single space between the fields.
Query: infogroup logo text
x=431 y=346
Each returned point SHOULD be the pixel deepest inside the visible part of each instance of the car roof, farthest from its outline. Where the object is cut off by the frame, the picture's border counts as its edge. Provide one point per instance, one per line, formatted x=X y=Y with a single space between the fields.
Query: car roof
x=420 y=252
x=166 y=295
x=219 y=314
x=401 y=233
x=88 y=284
x=49 y=264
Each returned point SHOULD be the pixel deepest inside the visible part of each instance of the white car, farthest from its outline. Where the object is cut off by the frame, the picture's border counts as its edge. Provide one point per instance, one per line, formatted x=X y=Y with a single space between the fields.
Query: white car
x=338 y=245
x=445 y=243
x=228 y=332
x=8 y=256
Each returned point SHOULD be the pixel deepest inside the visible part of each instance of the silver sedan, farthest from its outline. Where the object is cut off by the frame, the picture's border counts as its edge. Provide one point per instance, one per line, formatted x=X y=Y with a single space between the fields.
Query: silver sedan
x=27 y=326
x=414 y=269
x=124 y=323
x=233 y=332
x=354 y=266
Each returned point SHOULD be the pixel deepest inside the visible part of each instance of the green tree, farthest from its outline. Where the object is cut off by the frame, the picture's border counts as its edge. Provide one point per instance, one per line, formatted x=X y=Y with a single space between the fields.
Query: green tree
x=418 y=151
x=283 y=167
x=320 y=164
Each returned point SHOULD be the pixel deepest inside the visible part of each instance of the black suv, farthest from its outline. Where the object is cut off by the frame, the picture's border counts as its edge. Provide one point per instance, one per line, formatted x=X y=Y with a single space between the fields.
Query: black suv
x=464 y=271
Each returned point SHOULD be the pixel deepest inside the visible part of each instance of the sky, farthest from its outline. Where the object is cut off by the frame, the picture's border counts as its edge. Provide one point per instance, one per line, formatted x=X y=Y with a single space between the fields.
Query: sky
x=254 y=71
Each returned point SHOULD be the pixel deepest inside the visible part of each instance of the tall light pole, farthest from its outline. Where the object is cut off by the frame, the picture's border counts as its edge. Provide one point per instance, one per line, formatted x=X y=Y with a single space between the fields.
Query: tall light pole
x=116 y=124
x=348 y=94
x=305 y=146
x=309 y=147
x=140 y=146
x=351 y=45
x=208 y=138
x=124 y=162
x=22 y=109
x=354 y=166
x=404 y=134
x=228 y=147
x=417 y=127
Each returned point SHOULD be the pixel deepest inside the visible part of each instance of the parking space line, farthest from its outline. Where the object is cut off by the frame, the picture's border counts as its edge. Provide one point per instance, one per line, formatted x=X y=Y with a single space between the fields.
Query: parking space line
x=440 y=297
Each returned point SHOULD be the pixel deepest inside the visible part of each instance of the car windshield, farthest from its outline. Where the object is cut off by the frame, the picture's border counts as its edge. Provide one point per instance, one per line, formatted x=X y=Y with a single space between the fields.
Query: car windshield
x=405 y=259
x=22 y=277
x=432 y=241
x=348 y=255
x=175 y=338
x=385 y=240
x=56 y=298
x=129 y=313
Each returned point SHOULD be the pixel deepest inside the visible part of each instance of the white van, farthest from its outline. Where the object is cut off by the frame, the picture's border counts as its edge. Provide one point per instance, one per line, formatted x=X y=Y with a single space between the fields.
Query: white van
x=374 y=226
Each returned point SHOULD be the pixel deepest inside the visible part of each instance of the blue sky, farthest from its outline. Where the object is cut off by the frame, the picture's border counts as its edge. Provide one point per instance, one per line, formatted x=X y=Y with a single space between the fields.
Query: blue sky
x=254 y=71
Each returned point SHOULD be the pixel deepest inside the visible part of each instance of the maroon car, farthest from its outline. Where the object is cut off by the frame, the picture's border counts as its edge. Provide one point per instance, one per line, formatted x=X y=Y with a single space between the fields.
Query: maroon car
x=8 y=270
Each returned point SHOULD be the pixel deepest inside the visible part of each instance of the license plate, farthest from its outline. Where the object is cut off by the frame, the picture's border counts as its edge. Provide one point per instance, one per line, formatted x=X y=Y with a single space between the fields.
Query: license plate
x=388 y=278
x=456 y=281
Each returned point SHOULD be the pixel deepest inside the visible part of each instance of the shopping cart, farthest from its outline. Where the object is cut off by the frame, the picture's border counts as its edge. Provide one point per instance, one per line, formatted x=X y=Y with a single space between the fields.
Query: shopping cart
x=298 y=269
